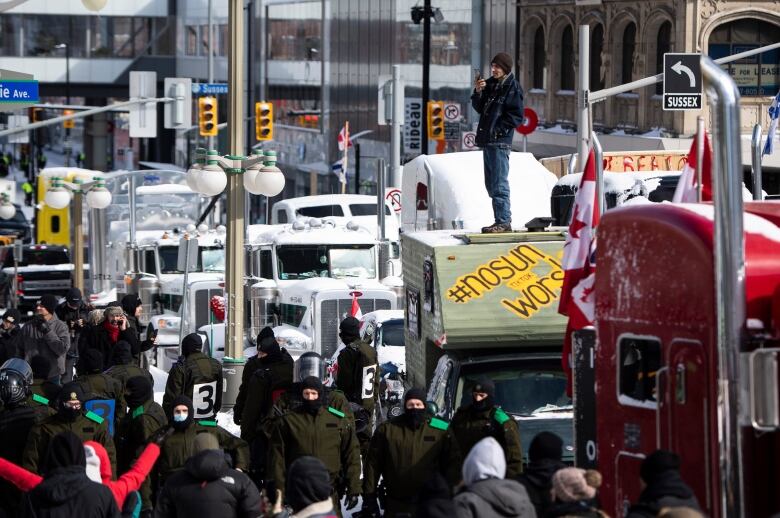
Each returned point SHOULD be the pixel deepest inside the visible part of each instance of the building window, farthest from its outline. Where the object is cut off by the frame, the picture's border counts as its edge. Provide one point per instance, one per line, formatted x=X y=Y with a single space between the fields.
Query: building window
x=567 y=59
x=663 y=44
x=757 y=75
x=629 y=46
x=596 y=49
x=640 y=359
x=191 y=40
x=123 y=37
x=539 y=59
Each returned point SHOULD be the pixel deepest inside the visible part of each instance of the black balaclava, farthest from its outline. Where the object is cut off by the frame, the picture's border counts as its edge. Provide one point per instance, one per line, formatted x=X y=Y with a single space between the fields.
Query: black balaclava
x=415 y=416
x=192 y=343
x=70 y=392
x=312 y=407
x=182 y=425
x=123 y=354
x=266 y=342
x=138 y=391
x=308 y=482
x=349 y=330
x=90 y=362
x=65 y=450
x=488 y=387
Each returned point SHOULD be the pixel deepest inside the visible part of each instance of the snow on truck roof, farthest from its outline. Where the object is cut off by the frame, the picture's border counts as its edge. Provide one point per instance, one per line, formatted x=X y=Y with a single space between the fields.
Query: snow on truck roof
x=327 y=235
x=457 y=189
x=325 y=199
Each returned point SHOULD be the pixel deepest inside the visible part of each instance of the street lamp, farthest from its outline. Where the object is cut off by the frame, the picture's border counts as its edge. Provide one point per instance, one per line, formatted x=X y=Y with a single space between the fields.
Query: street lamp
x=7 y=209
x=58 y=196
x=67 y=91
x=209 y=174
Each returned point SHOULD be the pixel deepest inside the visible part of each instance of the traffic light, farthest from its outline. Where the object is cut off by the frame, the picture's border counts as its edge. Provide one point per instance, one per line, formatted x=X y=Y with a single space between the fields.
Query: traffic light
x=37 y=114
x=264 y=121
x=70 y=123
x=207 y=116
x=435 y=120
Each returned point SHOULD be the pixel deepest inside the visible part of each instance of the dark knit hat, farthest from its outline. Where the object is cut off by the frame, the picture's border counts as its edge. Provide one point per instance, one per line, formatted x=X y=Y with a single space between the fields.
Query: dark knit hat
x=657 y=463
x=205 y=442
x=414 y=393
x=191 y=343
x=73 y=296
x=90 y=362
x=350 y=328
x=266 y=341
x=122 y=353
x=308 y=481
x=40 y=366
x=265 y=332
x=503 y=60
x=13 y=316
x=545 y=445
x=138 y=390
x=485 y=385
x=48 y=302
x=129 y=303
x=312 y=382
x=65 y=449
x=72 y=391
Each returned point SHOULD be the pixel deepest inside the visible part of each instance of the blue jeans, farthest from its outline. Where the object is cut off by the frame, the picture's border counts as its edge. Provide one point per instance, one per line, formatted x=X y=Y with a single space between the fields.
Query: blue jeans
x=496 y=162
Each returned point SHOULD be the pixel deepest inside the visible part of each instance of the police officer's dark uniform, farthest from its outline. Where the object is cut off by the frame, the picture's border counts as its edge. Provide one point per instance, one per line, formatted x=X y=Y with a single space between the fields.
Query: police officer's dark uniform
x=16 y=421
x=124 y=367
x=144 y=419
x=405 y=452
x=318 y=431
x=86 y=425
x=194 y=368
x=43 y=393
x=477 y=420
x=252 y=365
x=178 y=447
x=358 y=377
x=97 y=385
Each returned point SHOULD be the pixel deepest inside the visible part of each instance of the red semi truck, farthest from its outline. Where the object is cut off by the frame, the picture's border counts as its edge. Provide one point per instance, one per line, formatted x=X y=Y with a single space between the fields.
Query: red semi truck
x=683 y=354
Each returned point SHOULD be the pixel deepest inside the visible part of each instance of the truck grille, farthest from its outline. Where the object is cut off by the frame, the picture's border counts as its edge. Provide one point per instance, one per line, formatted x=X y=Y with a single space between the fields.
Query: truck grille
x=45 y=285
x=333 y=311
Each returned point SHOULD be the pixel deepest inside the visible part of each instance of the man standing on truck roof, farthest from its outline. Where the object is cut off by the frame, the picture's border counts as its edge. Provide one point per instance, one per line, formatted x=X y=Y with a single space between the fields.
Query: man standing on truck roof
x=499 y=102
x=358 y=378
x=481 y=418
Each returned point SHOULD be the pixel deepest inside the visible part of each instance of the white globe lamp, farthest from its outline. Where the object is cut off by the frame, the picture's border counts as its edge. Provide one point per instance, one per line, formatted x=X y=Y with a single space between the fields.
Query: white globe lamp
x=94 y=5
x=7 y=209
x=212 y=179
x=193 y=175
x=250 y=175
x=270 y=179
x=57 y=197
x=98 y=196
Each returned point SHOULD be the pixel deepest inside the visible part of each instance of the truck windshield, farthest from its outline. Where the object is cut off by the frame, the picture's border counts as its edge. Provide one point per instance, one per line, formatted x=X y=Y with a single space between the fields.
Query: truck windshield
x=522 y=388
x=39 y=257
x=393 y=333
x=336 y=261
x=210 y=259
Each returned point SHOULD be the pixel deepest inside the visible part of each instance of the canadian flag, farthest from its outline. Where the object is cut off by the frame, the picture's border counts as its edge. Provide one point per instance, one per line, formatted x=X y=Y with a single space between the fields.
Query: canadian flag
x=344 y=137
x=687 y=186
x=577 y=294
x=355 y=311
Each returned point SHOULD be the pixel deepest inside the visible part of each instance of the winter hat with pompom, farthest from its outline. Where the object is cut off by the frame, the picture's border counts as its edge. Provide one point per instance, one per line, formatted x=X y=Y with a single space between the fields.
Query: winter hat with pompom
x=575 y=484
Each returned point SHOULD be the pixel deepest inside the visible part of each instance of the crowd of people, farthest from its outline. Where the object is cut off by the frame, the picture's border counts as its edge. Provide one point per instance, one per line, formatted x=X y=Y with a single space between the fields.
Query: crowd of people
x=83 y=435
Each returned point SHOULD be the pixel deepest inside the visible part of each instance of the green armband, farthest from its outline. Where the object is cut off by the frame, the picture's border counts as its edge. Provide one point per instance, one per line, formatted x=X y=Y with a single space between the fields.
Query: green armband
x=500 y=416
x=439 y=424
x=212 y=424
x=40 y=399
x=335 y=412
x=138 y=411
x=94 y=417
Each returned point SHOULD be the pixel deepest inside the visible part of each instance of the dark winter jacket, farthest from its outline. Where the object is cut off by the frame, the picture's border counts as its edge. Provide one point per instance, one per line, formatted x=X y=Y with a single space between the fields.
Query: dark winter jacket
x=435 y=499
x=96 y=337
x=500 y=106
x=71 y=317
x=48 y=339
x=208 y=487
x=486 y=493
x=273 y=375
x=103 y=386
x=668 y=490
x=537 y=479
x=129 y=304
x=470 y=425
x=11 y=344
x=358 y=376
x=195 y=369
x=15 y=425
x=66 y=493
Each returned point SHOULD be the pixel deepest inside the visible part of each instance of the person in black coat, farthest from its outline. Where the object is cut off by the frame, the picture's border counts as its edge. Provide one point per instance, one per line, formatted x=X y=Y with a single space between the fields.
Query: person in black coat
x=10 y=335
x=544 y=455
x=132 y=306
x=207 y=486
x=662 y=486
x=74 y=313
x=105 y=335
x=66 y=491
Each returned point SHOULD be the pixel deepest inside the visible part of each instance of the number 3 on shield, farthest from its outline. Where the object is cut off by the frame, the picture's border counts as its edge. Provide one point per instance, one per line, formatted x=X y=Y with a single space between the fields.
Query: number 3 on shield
x=368 y=381
x=203 y=399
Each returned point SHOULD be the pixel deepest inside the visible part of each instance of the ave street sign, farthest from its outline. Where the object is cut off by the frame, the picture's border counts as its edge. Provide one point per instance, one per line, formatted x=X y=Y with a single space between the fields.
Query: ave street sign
x=209 y=88
x=682 y=82
x=17 y=90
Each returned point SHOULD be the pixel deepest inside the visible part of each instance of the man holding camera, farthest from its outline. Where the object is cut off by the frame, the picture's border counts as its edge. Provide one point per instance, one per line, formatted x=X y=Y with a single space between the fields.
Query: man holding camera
x=47 y=336
x=74 y=313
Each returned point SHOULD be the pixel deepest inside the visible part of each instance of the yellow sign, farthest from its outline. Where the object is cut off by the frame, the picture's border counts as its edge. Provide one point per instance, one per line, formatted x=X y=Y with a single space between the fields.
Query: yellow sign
x=517 y=269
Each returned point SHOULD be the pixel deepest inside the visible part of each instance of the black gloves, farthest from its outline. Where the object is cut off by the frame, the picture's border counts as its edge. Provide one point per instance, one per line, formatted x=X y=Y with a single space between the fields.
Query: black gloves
x=41 y=323
x=370 y=505
x=351 y=501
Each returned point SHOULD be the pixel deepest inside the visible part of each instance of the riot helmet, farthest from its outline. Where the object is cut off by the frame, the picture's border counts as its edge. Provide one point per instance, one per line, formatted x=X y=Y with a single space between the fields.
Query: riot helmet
x=15 y=380
x=309 y=364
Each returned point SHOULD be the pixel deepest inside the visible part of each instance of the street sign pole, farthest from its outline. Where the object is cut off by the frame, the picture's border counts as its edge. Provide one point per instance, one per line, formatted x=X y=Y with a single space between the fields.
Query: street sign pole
x=583 y=108
x=395 y=134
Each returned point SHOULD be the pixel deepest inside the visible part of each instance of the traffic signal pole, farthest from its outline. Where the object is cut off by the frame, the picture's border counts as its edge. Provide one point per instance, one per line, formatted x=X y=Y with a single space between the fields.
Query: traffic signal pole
x=234 y=271
x=426 y=72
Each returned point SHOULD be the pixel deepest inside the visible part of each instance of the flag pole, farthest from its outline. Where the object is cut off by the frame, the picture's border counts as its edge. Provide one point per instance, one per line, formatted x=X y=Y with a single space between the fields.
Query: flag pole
x=699 y=155
x=346 y=154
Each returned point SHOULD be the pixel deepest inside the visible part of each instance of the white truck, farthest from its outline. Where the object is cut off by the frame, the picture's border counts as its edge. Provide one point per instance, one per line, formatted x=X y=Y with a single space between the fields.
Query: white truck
x=301 y=280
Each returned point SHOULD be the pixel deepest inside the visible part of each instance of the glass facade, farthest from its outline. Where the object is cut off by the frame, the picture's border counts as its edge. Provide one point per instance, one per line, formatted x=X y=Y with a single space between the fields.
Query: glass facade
x=757 y=75
x=37 y=35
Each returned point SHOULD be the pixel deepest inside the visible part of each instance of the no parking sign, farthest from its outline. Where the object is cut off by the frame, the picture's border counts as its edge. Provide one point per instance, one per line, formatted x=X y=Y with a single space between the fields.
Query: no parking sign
x=468 y=140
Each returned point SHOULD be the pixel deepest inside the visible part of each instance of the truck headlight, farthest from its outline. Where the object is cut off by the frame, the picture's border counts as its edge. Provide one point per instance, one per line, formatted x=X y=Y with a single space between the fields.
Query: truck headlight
x=295 y=343
x=169 y=324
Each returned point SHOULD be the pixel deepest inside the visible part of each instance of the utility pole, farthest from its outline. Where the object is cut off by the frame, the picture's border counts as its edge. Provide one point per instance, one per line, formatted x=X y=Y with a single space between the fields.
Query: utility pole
x=210 y=141
x=426 y=76
x=234 y=271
